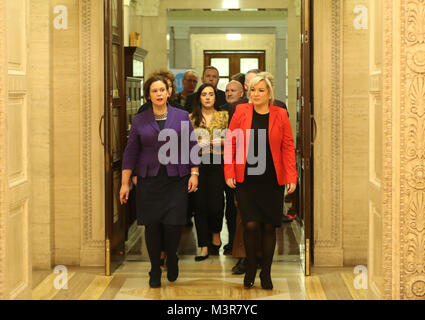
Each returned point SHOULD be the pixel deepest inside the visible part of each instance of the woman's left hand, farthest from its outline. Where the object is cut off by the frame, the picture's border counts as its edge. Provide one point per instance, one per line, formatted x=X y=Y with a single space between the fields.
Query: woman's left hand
x=290 y=187
x=193 y=183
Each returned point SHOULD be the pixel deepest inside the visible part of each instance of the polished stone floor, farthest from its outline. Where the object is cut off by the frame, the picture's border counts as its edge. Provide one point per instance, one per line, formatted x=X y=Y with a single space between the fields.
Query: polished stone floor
x=210 y=279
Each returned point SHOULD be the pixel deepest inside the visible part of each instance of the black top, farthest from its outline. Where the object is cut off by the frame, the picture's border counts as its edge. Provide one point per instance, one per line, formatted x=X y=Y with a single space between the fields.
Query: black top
x=161 y=124
x=268 y=174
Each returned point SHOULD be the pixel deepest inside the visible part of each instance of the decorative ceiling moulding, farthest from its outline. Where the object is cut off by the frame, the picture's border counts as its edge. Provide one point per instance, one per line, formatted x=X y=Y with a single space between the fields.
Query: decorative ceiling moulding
x=3 y=171
x=280 y=26
x=412 y=150
x=86 y=96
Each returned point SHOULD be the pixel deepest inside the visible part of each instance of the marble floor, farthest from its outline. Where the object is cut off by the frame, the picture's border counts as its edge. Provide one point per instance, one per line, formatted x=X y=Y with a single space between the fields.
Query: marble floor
x=210 y=279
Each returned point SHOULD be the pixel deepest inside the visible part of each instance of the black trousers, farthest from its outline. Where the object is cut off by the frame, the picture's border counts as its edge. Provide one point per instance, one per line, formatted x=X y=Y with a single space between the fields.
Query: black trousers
x=209 y=202
x=230 y=213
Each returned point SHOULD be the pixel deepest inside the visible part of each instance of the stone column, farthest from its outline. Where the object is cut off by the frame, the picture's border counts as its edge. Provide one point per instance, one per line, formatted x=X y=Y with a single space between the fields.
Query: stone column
x=182 y=53
x=281 y=72
x=403 y=197
x=3 y=146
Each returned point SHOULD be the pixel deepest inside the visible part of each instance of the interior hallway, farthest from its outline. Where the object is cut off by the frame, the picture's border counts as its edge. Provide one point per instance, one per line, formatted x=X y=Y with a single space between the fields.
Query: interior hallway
x=211 y=279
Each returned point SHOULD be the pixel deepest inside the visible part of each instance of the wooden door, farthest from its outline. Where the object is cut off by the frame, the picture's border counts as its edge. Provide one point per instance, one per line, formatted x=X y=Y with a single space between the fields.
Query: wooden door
x=15 y=175
x=115 y=133
x=230 y=63
x=305 y=145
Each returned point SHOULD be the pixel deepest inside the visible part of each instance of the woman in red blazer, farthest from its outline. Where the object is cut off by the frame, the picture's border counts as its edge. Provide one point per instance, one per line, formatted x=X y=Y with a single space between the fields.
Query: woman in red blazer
x=259 y=160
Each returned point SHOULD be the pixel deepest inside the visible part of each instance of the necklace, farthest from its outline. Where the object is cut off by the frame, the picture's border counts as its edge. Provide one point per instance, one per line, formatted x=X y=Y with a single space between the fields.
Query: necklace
x=161 y=116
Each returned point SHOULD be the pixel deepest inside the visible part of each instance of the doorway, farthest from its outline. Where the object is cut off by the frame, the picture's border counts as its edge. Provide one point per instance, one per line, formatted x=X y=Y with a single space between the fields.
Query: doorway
x=281 y=65
x=230 y=63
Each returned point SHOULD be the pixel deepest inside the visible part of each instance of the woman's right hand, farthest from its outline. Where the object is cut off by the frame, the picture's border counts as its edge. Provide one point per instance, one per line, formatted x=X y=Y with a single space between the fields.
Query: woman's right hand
x=124 y=192
x=231 y=183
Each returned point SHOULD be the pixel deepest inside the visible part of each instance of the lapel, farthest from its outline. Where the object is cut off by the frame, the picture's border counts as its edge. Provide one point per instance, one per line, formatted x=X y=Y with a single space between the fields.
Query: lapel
x=272 y=118
x=170 y=118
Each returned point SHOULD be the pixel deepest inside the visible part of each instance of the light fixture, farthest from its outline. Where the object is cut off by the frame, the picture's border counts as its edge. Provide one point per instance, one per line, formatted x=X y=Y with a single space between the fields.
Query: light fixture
x=230 y=4
x=230 y=36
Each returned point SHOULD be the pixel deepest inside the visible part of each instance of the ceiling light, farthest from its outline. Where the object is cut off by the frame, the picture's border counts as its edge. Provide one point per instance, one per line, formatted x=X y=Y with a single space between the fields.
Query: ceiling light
x=233 y=36
x=230 y=4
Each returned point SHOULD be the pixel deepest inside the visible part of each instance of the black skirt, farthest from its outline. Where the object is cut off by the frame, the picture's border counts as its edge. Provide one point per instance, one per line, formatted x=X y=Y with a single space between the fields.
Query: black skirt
x=162 y=199
x=260 y=202
x=260 y=198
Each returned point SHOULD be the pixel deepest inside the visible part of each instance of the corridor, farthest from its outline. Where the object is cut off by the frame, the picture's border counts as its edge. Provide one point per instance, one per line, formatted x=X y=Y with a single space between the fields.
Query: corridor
x=211 y=279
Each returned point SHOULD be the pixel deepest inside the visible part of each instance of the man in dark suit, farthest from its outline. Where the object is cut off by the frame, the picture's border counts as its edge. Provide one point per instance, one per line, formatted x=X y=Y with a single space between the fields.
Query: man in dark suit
x=234 y=94
x=211 y=76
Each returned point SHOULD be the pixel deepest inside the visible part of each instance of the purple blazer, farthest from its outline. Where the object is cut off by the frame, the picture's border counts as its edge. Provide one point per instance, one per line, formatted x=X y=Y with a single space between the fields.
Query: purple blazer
x=144 y=150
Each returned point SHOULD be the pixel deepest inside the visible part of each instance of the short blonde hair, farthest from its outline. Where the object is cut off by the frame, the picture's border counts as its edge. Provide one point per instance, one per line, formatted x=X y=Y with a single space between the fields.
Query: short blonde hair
x=268 y=78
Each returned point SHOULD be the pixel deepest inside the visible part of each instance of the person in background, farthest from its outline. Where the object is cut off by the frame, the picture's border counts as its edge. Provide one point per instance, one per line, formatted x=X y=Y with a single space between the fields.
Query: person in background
x=260 y=194
x=210 y=76
x=210 y=125
x=156 y=181
x=172 y=95
x=190 y=81
x=240 y=77
x=234 y=94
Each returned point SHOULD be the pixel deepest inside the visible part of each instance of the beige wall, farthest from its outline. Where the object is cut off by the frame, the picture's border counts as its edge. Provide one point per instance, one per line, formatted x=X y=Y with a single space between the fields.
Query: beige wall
x=41 y=138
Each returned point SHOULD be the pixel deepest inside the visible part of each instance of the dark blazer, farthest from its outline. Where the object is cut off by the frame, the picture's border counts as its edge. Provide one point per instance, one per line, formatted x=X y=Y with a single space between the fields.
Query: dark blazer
x=280 y=138
x=142 y=152
x=221 y=100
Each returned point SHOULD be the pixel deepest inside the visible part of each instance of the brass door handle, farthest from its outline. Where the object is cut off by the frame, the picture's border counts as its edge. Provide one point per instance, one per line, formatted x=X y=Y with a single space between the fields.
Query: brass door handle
x=100 y=129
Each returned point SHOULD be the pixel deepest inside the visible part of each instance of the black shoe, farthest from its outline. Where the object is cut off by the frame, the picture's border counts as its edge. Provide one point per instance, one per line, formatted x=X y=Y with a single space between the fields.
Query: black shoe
x=266 y=281
x=239 y=268
x=155 y=279
x=249 y=279
x=172 y=270
x=201 y=258
x=214 y=250
x=228 y=248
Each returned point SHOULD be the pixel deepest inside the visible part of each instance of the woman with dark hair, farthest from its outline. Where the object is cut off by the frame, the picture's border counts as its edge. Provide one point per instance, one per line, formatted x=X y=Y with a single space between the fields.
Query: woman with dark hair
x=171 y=88
x=210 y=126
x=158 y=180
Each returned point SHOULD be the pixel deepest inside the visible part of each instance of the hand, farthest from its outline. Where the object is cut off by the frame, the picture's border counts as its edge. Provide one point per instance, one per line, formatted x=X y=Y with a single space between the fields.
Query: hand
x=124 y=192
x=203 y=143
x=290 y=187
x=231 y=183
x=193 y=183
x=217 y=142
x=134 y=179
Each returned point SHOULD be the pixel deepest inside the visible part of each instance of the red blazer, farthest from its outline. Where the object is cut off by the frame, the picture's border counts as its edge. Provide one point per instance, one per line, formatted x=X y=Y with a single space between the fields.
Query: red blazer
x=280 y=139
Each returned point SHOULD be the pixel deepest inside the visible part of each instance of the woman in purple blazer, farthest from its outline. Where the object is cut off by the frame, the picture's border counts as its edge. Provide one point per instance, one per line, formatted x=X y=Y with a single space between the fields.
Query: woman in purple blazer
x=157 y=152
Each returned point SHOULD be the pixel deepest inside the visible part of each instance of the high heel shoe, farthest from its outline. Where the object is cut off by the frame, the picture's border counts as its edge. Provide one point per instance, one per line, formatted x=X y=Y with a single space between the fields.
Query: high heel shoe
x=155 y=278
x=249 y=279
x=172 y=270
x=266 y=281
x=201 y=258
